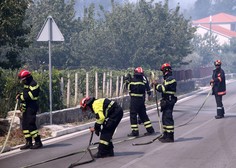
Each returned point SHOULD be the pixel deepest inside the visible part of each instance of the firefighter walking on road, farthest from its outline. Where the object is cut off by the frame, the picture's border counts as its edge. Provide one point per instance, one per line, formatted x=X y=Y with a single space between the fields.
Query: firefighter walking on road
x=108 y=116
x=137 y=86
x=168 y=90
x=218 y=88
x=28 y=99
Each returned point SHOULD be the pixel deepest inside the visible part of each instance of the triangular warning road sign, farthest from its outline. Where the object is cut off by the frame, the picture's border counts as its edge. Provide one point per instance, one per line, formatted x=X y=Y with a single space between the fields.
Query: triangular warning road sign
x=50 y=31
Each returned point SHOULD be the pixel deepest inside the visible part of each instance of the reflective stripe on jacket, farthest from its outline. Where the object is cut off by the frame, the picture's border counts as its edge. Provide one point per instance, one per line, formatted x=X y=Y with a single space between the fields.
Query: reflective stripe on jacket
x=168 y=87
x=219 y=86
x=101 y=108
x=30 y=94
x=138 y=86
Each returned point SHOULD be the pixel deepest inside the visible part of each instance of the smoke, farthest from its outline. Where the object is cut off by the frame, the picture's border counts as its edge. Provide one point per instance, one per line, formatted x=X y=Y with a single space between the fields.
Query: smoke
x=184 y=4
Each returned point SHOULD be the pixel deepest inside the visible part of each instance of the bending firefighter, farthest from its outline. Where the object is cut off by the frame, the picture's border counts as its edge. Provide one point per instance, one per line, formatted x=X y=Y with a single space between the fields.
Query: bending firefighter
x=218 y=88
x=28 y=106
x=168 y=90
x=108 y=116
x=138 y=85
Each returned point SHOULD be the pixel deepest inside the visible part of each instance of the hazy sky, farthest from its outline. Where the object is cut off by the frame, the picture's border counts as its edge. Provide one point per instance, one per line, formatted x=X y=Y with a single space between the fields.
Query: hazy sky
x=184 y=4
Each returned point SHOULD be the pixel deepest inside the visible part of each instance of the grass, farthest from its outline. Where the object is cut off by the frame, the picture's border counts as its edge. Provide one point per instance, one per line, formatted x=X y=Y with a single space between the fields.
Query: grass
x=16 y=137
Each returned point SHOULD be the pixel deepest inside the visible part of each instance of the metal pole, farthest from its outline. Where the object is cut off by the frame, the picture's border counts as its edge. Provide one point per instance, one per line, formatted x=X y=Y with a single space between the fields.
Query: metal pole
x=210 y=32
x=50 y=68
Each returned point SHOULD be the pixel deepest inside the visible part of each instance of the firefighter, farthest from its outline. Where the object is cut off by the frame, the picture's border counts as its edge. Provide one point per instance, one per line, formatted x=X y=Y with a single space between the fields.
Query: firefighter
x=168 y=90
x=108 y=116
x=138 y=86
x=28 y=99
x=218 y=88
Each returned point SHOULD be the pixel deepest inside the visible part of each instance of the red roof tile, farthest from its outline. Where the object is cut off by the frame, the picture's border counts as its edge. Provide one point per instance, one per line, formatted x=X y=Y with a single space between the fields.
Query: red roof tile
x=221 y=17
x=219 y=30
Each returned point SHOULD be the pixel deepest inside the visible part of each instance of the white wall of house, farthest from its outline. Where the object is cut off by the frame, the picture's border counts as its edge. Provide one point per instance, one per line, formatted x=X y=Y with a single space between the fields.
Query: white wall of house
x=226 y=26
x=221 y=39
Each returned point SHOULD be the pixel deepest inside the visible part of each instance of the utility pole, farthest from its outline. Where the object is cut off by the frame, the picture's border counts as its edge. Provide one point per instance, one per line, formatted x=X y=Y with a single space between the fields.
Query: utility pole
x=210 y=32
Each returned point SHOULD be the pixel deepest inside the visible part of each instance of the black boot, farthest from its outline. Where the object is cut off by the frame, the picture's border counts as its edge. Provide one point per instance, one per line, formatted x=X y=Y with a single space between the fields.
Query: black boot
x=219 y=117
x=111 y=151
x=104 y=151
x=164 y=135
x=169 y=138
x=134 y=134
x=220 y=113
x=150 y=131
x=38 y=143
x=28 y=144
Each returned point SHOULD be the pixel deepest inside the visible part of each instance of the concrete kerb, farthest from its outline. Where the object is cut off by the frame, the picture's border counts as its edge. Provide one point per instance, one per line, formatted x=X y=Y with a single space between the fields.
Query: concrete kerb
x=73 y=129
x=61 y=130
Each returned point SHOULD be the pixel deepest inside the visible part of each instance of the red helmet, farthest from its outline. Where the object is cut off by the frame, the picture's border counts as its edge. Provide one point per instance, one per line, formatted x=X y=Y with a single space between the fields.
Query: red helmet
x=85 y=101
x=138 y=71
x=217 y=62
x=165 y=67
x=24 y=74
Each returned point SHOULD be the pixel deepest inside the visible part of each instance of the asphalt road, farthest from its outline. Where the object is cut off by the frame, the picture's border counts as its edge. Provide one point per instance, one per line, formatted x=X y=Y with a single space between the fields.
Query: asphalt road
x=204 y=142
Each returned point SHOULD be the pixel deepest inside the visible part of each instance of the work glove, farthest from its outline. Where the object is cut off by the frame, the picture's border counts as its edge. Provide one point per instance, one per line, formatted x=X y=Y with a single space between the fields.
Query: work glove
x=97 y=128
x=18 y=95
x=211 y=82
x=92 y=129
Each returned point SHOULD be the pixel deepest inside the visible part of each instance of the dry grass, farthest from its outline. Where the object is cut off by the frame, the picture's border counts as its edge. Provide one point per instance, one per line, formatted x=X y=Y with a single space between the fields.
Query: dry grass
x=16 y=137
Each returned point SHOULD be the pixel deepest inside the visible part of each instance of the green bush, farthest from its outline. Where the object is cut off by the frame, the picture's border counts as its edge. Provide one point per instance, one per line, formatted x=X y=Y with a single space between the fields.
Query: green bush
x=10 y=86
x=8 y=90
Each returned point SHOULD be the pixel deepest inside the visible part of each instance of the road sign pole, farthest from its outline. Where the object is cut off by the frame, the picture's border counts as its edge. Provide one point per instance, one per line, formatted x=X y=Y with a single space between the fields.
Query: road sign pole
x=50 y=68
x=50 y=32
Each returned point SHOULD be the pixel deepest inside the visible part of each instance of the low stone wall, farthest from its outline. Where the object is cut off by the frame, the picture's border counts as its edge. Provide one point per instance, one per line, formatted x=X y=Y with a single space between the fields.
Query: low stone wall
x=71 y=115
x=200 y=82
x=185 y=86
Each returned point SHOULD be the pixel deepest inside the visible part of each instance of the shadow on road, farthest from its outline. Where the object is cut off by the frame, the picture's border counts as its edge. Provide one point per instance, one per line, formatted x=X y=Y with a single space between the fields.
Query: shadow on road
x=56 y=145
x=188 y=139
x=128 y=153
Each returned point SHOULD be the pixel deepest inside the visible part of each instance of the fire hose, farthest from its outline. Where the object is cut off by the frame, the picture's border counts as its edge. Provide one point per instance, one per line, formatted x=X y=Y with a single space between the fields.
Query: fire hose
x=8 y=134
x=151 y=141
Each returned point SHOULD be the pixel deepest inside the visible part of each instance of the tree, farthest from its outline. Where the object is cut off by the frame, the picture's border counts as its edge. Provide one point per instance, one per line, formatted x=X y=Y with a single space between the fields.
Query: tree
x=143 y=34
x=201 y=9
x=207 y=47
x=226 y=6
x=64 y=15
x=12 y=32
x=231 y=47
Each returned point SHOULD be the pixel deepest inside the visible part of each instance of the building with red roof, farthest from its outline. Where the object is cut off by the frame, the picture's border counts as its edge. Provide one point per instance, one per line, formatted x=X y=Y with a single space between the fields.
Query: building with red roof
x=221 y=25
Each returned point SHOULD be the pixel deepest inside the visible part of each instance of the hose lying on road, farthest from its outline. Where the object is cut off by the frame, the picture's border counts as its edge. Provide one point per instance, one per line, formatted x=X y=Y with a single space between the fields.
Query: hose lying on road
x=151 y=141
x=78 y=162
x=197 y=111
x=67 y=155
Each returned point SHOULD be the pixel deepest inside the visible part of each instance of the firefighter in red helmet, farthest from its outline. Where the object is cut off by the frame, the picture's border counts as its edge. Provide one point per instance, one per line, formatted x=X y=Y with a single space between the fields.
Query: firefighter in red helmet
x=108 y=116
x=218 y=88
x=29 y=106
x=138 y=86
x=168 y=90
